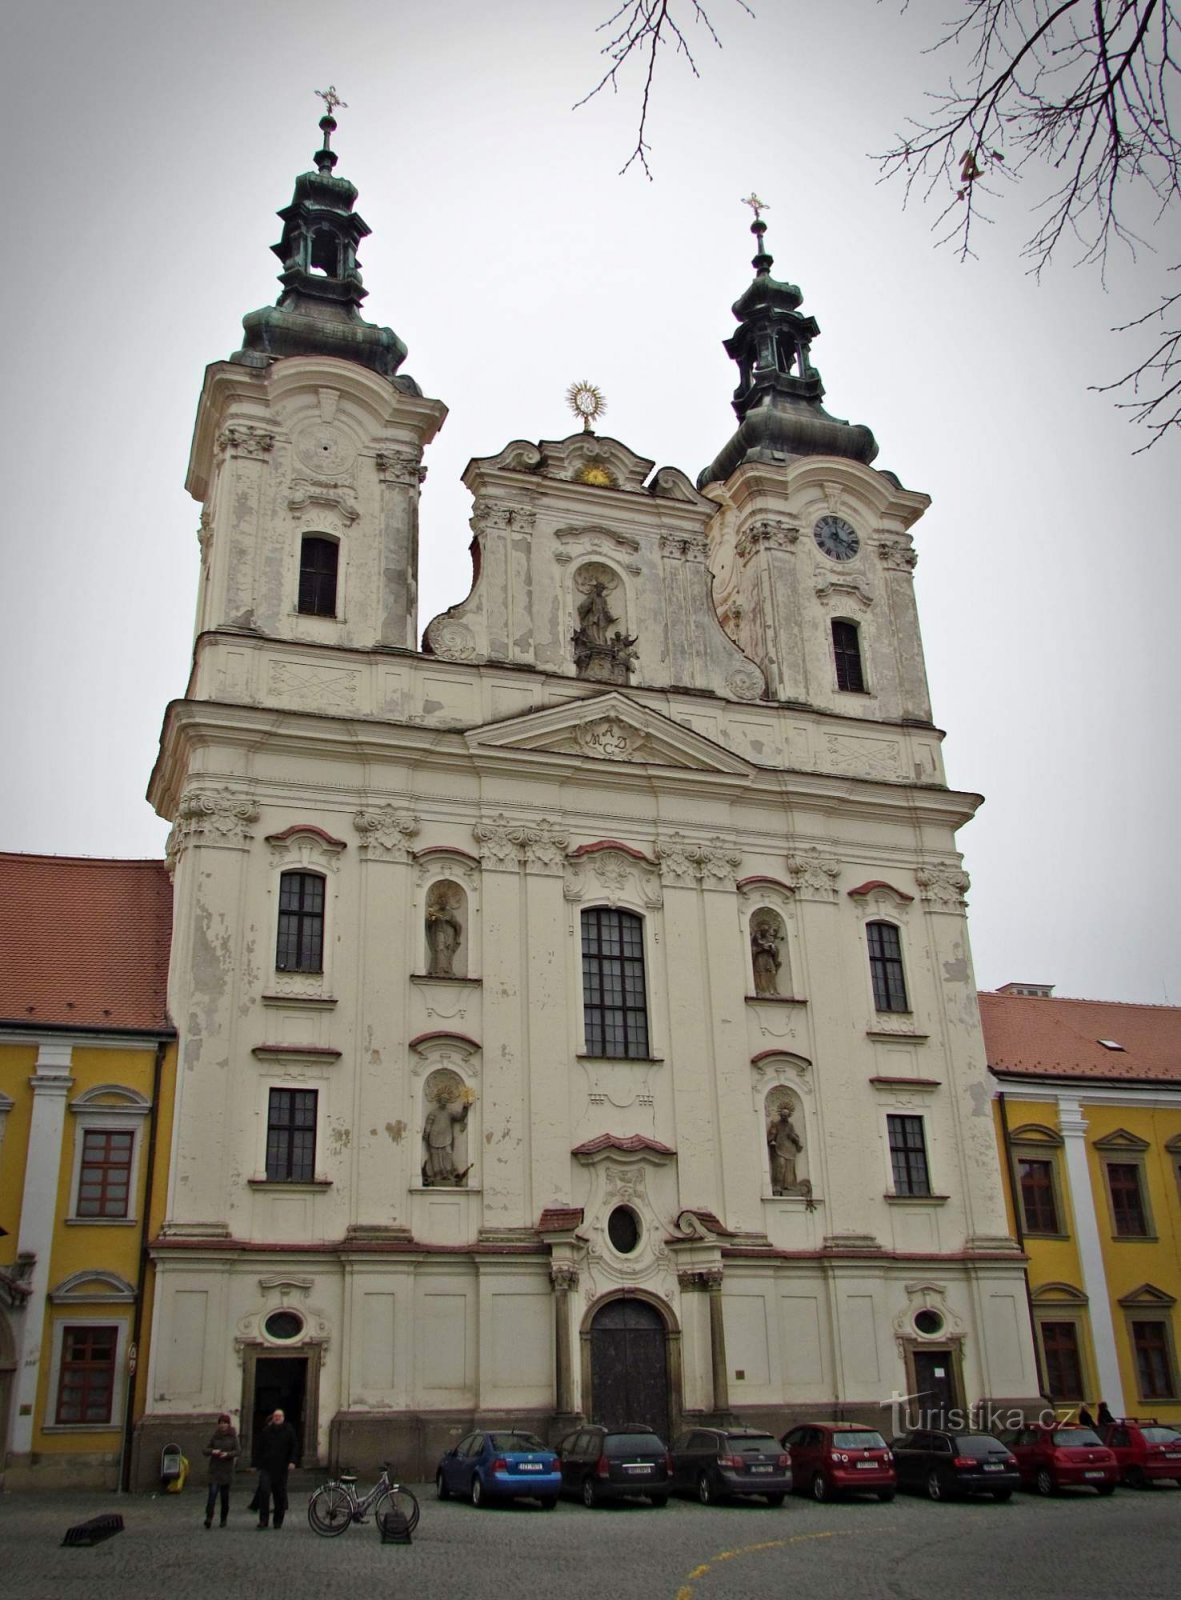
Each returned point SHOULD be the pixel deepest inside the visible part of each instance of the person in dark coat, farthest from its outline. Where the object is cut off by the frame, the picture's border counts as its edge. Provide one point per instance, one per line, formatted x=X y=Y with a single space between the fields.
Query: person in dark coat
x=277 y=1455
x=222 y=1451
x=1106 y=1420
x=1085 y=1418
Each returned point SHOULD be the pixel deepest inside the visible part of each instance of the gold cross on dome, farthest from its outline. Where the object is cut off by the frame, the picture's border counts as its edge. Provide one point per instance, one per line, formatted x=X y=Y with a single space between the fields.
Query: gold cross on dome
x=756 y=205
x=331 y=99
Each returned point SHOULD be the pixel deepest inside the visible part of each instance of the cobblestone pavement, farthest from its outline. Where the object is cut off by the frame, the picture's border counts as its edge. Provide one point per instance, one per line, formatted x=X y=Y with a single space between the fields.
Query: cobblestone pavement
x=1077 y=1546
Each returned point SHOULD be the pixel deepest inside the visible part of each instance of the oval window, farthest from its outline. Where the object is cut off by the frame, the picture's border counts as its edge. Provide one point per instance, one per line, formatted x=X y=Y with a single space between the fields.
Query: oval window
x=623 y=1229
x=929 y=1323
x=283 y=1325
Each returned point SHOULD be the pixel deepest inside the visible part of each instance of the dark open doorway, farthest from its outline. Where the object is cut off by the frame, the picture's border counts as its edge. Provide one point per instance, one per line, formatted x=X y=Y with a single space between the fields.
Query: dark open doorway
x=280 y=1383
x=935 y=1385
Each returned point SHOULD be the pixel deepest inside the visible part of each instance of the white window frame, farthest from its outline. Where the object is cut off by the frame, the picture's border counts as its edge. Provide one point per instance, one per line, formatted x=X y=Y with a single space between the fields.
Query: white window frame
x=109 y=1108
x=96 y=1319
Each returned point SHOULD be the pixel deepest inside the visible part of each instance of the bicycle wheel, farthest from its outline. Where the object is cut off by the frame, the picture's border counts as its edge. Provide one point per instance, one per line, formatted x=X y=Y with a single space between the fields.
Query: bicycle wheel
x=400 y=1500
x=330 y=1510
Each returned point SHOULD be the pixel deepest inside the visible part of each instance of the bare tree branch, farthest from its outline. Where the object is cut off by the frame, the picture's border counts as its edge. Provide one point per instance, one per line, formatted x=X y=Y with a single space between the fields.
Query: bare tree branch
x=1079 y=96
x=641 y=27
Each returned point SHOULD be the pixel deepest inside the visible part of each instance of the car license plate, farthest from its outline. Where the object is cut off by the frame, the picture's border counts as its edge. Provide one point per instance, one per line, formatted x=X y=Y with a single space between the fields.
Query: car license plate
x=639 y=1467
x=1094 y=1474
x=529 y=1466
x=762 y=1469
x=870 y=1464
x=1173 y=1455
x=994 y=1466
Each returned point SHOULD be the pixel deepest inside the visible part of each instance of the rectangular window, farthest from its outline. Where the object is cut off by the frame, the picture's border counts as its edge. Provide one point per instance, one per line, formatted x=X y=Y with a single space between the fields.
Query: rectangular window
x=317 y=576
x=614 y=1004
x=1037 y=1196
x=1127 y=1200
x=300 y=945
x=291 y=1136
x=86 y=1383
x=104 y=1180
x=1154 y=1365
x=846 y=650
x=1064 y=1369
x=908 y=1155
x=885 y=967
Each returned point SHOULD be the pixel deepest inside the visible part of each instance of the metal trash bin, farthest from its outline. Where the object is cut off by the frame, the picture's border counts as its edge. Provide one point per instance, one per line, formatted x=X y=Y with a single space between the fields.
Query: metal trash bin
x=173 y=1468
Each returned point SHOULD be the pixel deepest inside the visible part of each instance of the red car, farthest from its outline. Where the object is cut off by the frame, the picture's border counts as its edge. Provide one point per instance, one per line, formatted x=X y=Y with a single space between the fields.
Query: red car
x=1061 y=1455
x=1144 y=1449
x=829 y=1458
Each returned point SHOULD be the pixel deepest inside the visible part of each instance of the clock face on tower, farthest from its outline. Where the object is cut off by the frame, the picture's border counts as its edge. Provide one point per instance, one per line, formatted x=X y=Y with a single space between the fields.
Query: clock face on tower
x=837 y=538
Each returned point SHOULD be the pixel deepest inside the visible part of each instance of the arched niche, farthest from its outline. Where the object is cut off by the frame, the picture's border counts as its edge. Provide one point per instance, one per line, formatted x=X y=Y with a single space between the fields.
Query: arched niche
x=787 y=1143
x=448 y=1142
x=769 y=962
x=446 y=925
x=603 y=647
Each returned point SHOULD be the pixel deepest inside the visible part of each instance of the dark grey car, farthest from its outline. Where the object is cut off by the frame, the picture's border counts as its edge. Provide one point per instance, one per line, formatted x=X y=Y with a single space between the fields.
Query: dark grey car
x=942 y=1464
x=626 y=1463
x=731 y=1463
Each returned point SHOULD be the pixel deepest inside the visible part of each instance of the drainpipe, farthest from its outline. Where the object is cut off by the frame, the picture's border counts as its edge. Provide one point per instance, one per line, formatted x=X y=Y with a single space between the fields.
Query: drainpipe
x=142 y=1278
x=1015 y=1198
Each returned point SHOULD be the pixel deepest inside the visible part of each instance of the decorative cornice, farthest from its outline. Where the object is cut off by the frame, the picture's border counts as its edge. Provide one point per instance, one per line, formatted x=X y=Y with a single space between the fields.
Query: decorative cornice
x=400 y=467
x=505 y=845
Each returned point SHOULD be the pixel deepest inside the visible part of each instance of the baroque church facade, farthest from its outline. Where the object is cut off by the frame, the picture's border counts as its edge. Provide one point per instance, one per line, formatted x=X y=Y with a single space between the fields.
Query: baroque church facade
x=575 y=1012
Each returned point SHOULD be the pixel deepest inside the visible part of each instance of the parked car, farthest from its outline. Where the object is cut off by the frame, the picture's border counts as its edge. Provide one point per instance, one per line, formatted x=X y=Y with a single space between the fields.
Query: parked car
x=1060 y=1455
x=829 y=1458
x=942 y=1464
x=625 y=1463
x=491 y=1466
x=729 y=1463
x=1145 y=1450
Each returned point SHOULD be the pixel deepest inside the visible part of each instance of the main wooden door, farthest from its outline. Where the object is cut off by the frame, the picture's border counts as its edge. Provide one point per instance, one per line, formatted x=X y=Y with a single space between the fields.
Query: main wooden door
x=629 y=1366
x=934 y=1374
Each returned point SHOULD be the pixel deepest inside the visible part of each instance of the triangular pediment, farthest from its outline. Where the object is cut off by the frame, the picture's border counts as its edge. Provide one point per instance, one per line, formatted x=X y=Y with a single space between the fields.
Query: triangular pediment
x=608 y=728
x=1121 y=1140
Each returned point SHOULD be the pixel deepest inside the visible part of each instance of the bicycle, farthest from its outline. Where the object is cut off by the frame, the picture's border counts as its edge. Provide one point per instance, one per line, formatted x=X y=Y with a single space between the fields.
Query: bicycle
x=335 y=1505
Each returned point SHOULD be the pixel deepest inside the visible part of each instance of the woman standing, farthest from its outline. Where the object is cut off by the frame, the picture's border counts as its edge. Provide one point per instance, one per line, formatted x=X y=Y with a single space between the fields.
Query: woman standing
x=222 y=1451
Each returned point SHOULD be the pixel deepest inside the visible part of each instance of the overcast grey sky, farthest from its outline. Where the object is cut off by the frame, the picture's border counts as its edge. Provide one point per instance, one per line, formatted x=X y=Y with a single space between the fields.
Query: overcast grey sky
x=153 y=144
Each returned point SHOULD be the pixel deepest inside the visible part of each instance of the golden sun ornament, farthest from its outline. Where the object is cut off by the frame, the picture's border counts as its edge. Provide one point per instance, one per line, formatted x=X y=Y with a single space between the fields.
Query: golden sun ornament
x=587 y=402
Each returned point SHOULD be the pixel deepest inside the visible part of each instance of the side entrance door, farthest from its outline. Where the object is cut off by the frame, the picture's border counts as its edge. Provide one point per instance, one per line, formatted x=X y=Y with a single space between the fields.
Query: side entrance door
x=629 y=1366
x=934 y=1373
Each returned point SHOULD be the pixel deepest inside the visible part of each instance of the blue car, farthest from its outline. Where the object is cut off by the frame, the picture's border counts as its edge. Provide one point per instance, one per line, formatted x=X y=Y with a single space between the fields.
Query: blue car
x=486 y=1467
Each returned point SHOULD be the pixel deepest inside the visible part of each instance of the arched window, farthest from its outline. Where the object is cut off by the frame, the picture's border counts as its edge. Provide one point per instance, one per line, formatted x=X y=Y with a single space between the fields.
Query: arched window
x=300 y=945
x=846 y=650
x=318 y=559
x=614 y=1004
x=885 y=967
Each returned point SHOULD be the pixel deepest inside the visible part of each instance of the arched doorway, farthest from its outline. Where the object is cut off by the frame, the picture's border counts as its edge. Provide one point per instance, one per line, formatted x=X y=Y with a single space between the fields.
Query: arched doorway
x=629 y=1366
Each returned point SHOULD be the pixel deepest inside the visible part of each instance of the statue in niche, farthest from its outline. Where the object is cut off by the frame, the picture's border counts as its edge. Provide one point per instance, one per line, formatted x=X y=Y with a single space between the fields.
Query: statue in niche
x=444 y=929
x=600 y=655
x=785 y=1147
x=445 y=1123
x=766 y=935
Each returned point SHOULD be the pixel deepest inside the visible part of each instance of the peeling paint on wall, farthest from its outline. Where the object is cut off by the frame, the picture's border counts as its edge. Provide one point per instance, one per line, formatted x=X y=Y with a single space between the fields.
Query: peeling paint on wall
x=396 y=1131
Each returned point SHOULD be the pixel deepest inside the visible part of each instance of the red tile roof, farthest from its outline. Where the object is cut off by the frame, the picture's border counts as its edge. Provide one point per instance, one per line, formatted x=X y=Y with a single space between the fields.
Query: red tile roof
x=84 y=942
x=1029 y=1036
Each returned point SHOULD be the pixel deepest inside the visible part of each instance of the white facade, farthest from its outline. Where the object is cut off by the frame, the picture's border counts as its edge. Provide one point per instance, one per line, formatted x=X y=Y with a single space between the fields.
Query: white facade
x=722 y=783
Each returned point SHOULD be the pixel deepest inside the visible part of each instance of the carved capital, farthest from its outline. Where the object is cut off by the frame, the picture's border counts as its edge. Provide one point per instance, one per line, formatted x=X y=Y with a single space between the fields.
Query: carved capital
x=897 y=554
x=212 y=817
x=813 y=875
x=494 y=837
x=699 y=1279
x=401 y=467
x=768 y=533
x=942 y=884
x=564 y=1276
x=495 y=516
x=504 y=844
x=543 y=846
x=711 y=862
x=386 y=833
x=683 y=547
x=244 y=439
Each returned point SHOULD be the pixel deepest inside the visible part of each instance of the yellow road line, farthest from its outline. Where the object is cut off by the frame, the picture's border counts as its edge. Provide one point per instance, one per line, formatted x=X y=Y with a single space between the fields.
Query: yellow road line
x=685 y=1592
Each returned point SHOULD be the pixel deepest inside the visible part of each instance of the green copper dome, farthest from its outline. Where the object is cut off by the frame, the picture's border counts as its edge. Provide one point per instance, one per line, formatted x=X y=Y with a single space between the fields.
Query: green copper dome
x=779 y=391
x=318 y=312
